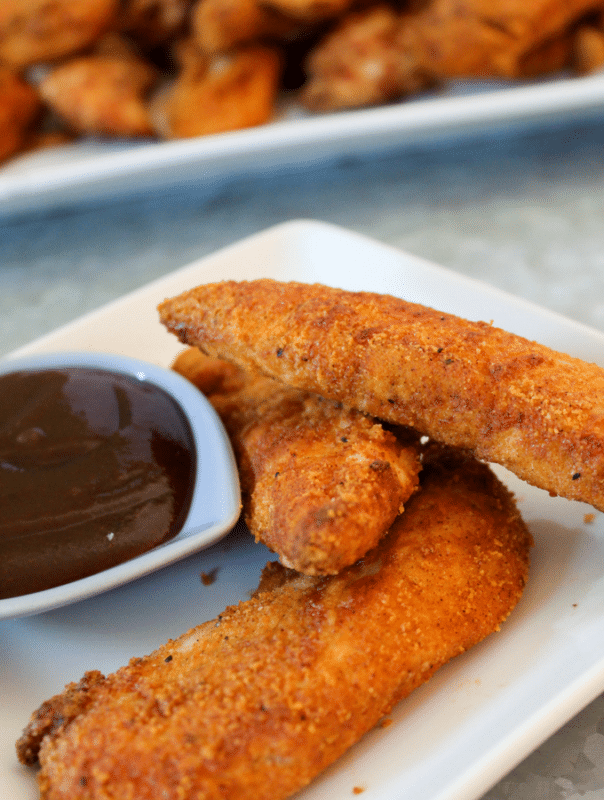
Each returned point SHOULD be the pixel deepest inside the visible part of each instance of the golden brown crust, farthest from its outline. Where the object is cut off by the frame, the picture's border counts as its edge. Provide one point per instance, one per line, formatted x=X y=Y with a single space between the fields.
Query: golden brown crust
x=34 y=31
x=320 y=484
x=537 y=412
x=212 y=376
x=254 y=704
x=362 y=62
x=56 y=712
x=222 y=25
x=548 y=57
x=19 y=107
x=588 y=48
x=322 y=54
x=154 y=22
x=101 y=94
x=227 y=93
x=479 y=38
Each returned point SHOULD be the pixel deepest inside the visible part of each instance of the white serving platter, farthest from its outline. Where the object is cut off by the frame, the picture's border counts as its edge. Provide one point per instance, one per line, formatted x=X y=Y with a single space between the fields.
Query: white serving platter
x=94 y=170
x=479 y=715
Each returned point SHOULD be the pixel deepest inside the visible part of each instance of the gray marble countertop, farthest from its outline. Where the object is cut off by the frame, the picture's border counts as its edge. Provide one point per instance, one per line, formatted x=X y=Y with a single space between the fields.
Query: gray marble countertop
x=522 y=210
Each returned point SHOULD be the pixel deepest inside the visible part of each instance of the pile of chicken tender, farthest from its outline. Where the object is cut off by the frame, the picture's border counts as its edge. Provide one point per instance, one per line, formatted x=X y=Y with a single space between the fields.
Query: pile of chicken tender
x=170 y=69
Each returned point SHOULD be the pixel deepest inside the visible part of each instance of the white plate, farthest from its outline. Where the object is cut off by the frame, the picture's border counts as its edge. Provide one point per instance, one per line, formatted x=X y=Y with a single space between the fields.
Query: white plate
x=94 y=170
x=480 y=714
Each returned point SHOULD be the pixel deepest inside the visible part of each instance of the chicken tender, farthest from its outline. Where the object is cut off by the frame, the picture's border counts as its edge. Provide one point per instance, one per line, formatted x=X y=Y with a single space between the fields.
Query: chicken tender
x=212 y=376
x=221 y=25
x=256 y=703
x=101 y=94
x=588 y=48
x=154 y=22
x=537 y=412
x=379 y=54
x=19 y=107
x=320 y=484
x=238 y=90
x=481 y=39
x=38 y=30
x=311 y=11
x=548 y=57
x=361 y=62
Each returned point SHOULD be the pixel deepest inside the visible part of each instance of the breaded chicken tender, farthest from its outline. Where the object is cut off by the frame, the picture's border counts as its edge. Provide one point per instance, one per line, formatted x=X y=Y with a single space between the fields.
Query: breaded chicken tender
x=378 y=53
x=537 y=412
x=101 y=94
x=549 y=57
x=311 y=11
x=214 y=95
x=256 y=703
x=34 y=31
x=221 y=25
x=361 y=62
x=588 y=48
x=19 y=107
x=154 y=22
x=320 y=484
x=479 y=38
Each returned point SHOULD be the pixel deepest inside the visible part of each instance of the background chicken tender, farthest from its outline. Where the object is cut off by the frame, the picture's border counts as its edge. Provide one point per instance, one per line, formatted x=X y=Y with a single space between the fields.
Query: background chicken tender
x=225 y=93
x=221 y=25
x=278 y=54
x=256 y=703
x=37 y=30
x=361 y=62
x=19 y=107
x=320 y=484
x=480 y=38
x=154 y=22
x=588 y=47
x=101 y=94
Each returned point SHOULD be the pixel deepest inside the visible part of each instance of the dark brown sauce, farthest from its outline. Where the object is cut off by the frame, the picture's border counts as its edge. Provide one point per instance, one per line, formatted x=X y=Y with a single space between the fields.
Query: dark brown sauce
x=95 y=468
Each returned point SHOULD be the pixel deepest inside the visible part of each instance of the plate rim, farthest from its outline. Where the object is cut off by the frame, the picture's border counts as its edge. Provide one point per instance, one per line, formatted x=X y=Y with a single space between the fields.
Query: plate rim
x=28 y=184
x=548 y=718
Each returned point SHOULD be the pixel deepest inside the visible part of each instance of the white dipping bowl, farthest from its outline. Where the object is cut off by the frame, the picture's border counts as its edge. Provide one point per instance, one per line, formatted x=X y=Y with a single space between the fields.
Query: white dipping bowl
x=216 y=500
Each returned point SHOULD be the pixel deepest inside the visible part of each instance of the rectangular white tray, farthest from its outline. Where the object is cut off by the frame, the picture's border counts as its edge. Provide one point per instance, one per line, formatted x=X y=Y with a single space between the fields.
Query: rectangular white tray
x=454 y=737
x=94 y=170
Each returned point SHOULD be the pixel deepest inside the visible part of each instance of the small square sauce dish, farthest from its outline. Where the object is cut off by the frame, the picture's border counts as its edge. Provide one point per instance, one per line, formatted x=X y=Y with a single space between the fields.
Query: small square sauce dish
x=110 y=468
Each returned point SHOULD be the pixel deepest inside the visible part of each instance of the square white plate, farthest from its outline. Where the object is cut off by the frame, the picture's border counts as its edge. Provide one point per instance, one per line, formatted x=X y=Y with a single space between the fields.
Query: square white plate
x=91 y=170
x=479 y=715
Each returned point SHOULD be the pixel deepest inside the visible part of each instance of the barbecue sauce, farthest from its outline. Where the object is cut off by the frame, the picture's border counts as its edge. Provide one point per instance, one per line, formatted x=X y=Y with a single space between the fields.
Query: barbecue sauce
x=95 y=468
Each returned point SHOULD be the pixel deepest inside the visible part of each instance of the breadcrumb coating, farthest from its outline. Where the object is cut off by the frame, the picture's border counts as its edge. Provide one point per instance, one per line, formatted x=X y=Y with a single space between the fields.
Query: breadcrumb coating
x=515 y=402
x=256 y=703
x=320 y=484
x=19 y=108
x=33 y=31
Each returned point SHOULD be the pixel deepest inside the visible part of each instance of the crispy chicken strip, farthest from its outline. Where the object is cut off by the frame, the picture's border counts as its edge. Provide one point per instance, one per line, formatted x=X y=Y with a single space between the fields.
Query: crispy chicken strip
x=256 y=703
x=379 y=54
x=311 y=11
x=213 y=95
x=361 y=62
x=39 y=30
x=154 y=22
x=512 y=401
x=221 y=25
x=19 y=108
x=588 y=47
x=479 y=38
x=102 y=94
x=548 y=57
x=320 y=484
